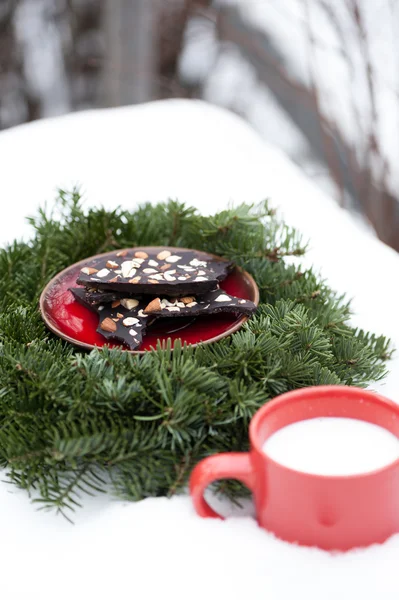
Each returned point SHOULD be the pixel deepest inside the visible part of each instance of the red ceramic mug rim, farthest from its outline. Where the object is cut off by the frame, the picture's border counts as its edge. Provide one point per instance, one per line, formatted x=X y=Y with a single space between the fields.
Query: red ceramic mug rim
x=280 y=403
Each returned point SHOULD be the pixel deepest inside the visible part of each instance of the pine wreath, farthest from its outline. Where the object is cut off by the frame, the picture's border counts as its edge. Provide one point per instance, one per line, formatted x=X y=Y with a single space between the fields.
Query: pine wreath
x=136 y=425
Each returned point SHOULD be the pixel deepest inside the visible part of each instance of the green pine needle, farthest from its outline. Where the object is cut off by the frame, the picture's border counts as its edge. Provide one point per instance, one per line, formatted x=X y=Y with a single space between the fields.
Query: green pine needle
x=73 y=423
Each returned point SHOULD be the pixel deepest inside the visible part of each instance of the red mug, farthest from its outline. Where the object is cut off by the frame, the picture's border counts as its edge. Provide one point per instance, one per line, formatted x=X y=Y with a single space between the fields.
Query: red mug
x=331 y=512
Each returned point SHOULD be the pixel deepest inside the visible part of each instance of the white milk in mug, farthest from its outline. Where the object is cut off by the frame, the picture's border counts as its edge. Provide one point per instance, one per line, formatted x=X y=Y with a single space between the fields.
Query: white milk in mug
x=333 y=446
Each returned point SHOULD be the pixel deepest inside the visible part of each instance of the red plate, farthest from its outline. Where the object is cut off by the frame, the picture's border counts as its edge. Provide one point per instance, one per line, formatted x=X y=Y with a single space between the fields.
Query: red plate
x=77 y=324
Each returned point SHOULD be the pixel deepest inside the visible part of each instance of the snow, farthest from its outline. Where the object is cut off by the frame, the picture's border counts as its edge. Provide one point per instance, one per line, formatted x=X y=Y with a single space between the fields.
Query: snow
x=159 y=548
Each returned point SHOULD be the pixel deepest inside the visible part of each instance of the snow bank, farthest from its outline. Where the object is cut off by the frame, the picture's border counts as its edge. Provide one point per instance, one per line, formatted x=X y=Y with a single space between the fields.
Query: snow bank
x=159 y=548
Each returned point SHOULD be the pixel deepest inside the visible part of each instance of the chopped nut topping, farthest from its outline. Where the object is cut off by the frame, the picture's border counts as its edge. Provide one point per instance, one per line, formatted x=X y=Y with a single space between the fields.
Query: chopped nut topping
x=127 y=267
x=102 y=273
x=153 y=306
x=129 y=303
x=163 y=254
x=223 y=298
x=111 y=264
x=129 y=321
x=197 y=263
x=173 y=259
x=108 y=325
x=89 y=270
x=187 y=299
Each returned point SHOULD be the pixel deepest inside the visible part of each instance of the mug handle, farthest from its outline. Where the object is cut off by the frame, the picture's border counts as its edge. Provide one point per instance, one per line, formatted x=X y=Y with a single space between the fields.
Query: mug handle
x=228 y=465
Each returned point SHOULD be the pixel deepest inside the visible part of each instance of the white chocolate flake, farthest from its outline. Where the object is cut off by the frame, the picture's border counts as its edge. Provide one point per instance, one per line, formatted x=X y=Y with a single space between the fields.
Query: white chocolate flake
x=222 y=298
x=200 y=279
x=152 y=263
x=148 y=271
x=173 y=258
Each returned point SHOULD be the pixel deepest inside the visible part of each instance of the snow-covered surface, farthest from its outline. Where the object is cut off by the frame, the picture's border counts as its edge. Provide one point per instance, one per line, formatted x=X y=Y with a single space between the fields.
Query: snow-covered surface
x=159 y=548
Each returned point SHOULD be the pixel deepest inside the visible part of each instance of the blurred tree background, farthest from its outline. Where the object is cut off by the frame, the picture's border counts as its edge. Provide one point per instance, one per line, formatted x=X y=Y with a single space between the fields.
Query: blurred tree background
x=317 y=78
x=58 y=56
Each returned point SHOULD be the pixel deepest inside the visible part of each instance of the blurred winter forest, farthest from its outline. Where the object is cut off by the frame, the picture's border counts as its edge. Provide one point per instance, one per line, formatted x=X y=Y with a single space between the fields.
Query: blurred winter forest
x=317 y=78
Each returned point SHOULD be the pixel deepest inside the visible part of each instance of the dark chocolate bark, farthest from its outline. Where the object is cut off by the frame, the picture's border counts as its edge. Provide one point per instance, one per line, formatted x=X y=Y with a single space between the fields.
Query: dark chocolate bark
x=213 y=302
x=138 y=272
x=94 y=297
x=121 y=321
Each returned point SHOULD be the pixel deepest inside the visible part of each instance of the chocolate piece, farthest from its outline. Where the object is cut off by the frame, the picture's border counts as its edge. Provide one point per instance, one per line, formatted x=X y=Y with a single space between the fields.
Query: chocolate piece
x=95 y=297
x=118 y=323
x=184 y=272
x=127 y=319
x=214 y=302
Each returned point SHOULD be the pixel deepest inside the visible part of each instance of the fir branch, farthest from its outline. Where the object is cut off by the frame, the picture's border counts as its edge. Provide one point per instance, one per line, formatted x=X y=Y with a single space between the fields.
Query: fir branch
x=73 y=423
